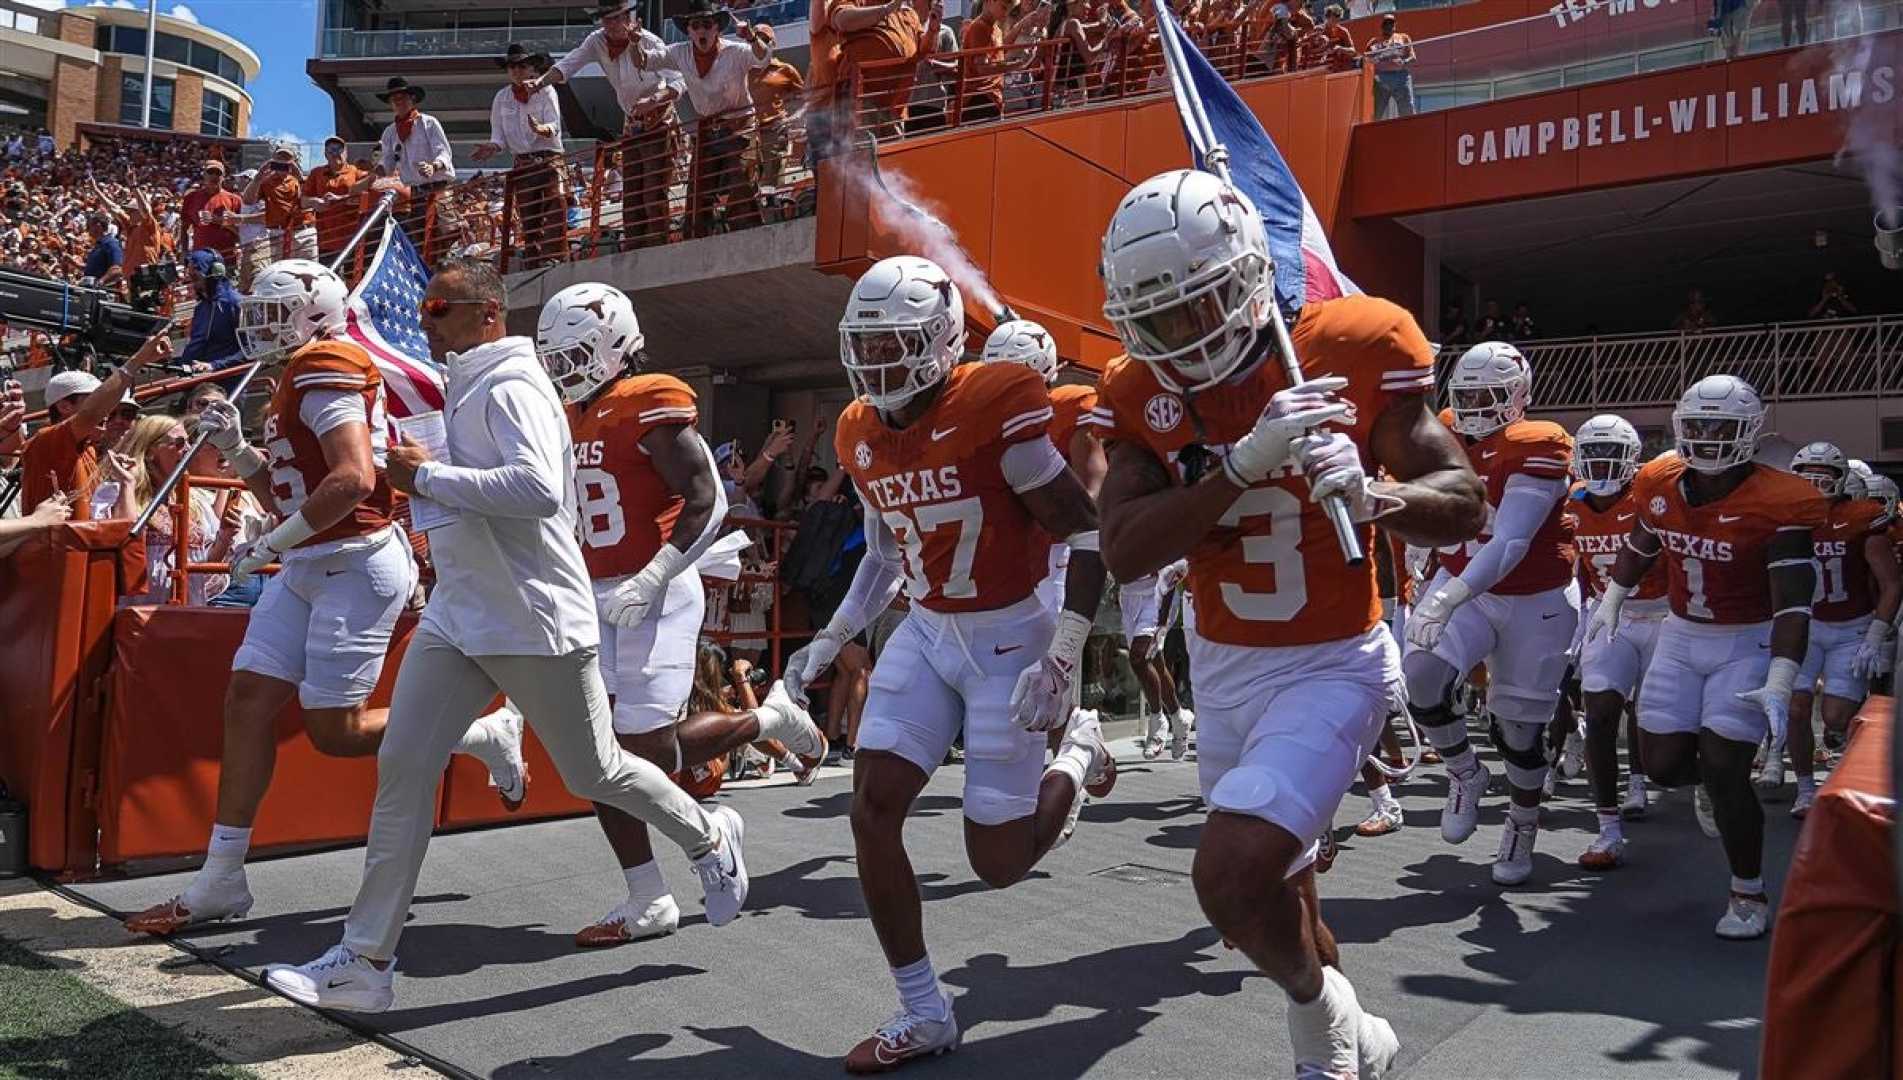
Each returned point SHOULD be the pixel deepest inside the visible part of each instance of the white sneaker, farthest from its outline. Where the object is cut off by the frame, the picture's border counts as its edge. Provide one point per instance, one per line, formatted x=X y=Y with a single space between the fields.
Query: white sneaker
x=723 y=871
x=1701 y=809
x=1772 y=776
x=509 y=772
x=1461 y=815
x=797 y=732
x=904 y=1037
x=1551 y=784
x=339 y=979
x=1153 y=736
x=1188 y=717
x=1606 y=852
x=1745 y=917
x=1179 y=735
x=1513 y=863
x=1572 y=756
x=628 y=922
x=1327 y=1045
x=1635 y=798
x=1800 y=806
x=1087 y=731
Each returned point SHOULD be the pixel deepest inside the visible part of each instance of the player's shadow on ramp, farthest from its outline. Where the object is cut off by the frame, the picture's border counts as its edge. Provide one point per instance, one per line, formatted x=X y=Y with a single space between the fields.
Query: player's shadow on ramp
x=838 y=807
x=1142 y=976
x=838 y=896
x=534 y=998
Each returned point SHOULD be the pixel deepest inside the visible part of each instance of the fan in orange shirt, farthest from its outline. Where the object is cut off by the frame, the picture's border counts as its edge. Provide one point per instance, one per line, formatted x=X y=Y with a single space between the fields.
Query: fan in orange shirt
x=963 y=492
x=1736 y=539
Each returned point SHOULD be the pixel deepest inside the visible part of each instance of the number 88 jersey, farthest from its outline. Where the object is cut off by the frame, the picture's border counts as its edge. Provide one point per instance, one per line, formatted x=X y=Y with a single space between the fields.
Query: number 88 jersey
x=1271 y=573
x=626 y=510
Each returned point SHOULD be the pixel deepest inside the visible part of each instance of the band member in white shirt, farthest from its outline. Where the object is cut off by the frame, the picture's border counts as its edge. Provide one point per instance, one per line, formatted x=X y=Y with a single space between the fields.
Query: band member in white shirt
x=526 y=121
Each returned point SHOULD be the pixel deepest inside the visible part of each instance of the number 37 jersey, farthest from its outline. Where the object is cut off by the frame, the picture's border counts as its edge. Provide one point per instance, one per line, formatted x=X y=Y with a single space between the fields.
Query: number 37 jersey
x=626 y=510
x=1271 y=572
x=968 y=541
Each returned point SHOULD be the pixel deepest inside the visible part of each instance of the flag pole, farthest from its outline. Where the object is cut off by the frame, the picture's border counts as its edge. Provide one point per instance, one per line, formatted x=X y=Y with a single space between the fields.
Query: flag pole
x=1216 y=158
x=377 y=213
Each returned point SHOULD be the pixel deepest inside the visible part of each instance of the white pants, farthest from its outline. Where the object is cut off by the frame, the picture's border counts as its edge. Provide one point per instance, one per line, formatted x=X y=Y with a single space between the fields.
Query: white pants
x=1523 y=639
x=649 y=668
x=1137 y=601
x=438 y=692
x=1281 y=731
x=1833 y=646
x=1619 y=663
x=323 y=622
x=939 y=673
x=1696 y=675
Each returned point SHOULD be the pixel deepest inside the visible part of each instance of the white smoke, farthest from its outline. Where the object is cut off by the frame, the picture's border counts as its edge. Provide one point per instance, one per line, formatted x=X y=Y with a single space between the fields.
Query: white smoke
x=906 y=216
x=1867 y=143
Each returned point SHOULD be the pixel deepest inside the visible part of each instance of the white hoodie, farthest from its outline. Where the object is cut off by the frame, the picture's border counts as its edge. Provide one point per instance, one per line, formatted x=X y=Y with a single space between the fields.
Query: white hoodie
x=510 y=580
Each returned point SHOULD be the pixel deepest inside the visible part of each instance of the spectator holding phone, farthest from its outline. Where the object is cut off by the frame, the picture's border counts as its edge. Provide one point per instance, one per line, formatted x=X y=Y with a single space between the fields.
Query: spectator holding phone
x=1832 y=302
x=202 y=215
x=278 y=191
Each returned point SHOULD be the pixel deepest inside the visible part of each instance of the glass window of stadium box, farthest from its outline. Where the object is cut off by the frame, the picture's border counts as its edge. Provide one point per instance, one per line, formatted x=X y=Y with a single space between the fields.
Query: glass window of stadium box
x=132 y=101
x=219 y=115
x=130 y=41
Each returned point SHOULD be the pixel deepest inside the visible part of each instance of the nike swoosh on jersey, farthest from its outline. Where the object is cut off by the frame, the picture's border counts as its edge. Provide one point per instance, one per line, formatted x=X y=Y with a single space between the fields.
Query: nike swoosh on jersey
x=1726 y=519
x=937 y=434
x=1000 y=650
x=1484 y=454
x=1625 y=517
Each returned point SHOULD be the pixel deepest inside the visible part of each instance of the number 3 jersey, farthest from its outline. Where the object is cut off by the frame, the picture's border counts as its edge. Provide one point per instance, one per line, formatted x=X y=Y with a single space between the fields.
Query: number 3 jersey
x=1271 y=572
x=1716 y=552
x=296 y=454
x=968 y=541
x=627 y=511
x=1599 y=536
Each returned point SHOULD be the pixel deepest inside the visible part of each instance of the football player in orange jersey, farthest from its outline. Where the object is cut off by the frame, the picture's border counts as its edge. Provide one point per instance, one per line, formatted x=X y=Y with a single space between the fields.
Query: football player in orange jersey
x=651 y=503
x=323 y=624
x=1858 y=593
x=1076 y=421
x=1507 y=598
x=963 y=492
x=1736 y=536
x=1216 y=459
x=1605 y=458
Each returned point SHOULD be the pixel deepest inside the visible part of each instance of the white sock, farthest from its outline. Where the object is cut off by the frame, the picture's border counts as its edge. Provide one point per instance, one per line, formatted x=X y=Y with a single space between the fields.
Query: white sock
x=645 y=882
x=227 y=849
x=1748 y=886
x=1383 y=798
x=1523 y=815
x=919 y=990
x=1806 y=785
x=779 y=725
x=1610 y=824
x=1310 y=1022
x=1462 y=764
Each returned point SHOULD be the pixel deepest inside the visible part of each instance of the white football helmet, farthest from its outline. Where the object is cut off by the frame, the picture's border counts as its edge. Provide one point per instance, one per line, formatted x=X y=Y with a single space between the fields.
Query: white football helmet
x=1856 y=487
x=903 y=331
x=1860 y=467
x=1716 y=423
x=1606 y=454
x=1824 y=466
x=291 y=302
x=1882 y=489
x=1490 y=387
x=585 y=337
x=1188 y=282
x=1021 y=341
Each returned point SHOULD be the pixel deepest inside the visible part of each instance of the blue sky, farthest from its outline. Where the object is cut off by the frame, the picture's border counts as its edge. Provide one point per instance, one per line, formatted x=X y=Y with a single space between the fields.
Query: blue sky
x=283 y=34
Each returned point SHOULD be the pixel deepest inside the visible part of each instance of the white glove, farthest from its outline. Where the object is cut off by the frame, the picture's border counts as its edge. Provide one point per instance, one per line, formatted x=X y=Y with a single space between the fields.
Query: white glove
x=1869 y=659
x=1291 y=414
x=1041 y=700
x=630 y=602
x=1774 y=697
x=1418 y=559
x=1605 y=614
x=224 y=430
x=271 y=547
x=1171 y=576
x=1332 y=463
x=811 y=660
x=1428 y=620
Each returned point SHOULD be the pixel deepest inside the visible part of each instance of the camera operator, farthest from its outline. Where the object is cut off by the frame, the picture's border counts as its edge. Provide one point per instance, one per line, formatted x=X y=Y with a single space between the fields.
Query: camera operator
x=63 y=456
x=213 y=344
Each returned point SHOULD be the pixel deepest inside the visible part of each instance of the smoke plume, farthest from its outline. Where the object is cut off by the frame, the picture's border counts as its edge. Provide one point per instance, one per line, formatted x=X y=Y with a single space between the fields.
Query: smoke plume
x=1867 y=142
x=905 y=215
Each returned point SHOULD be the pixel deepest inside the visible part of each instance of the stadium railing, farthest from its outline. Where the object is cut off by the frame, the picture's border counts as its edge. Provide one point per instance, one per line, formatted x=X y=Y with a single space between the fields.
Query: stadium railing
x=1835 y=358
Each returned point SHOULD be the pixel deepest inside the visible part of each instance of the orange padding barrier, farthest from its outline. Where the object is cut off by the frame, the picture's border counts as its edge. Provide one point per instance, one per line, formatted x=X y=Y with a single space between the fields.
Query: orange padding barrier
x=163 y=730
x=1831 y=1004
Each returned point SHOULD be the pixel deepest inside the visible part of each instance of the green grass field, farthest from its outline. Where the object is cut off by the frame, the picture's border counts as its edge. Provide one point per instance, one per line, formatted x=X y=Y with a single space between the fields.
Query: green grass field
x=52 y=1025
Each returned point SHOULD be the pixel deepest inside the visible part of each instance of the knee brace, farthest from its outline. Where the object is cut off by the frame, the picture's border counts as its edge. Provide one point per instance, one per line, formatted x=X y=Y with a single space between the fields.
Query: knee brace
x=1519 y=744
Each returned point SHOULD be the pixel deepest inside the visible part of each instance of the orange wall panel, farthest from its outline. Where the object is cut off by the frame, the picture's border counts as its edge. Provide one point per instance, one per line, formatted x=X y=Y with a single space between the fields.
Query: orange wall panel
x=1043 y=193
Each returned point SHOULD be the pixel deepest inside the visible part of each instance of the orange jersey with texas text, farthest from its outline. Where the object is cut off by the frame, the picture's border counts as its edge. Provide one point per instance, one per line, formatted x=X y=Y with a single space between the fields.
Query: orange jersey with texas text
x=297 y=457
x=1535 y=448
x=1716 y=552
x=968 y=541
x=627 y=510
x=1844 y=586
x=1271 y=572
x=1073 y=409
x=1600 y=535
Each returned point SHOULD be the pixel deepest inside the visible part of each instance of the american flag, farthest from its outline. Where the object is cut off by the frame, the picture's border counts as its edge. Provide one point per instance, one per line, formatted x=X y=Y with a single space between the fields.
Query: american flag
x=1305 y=267
x=383 y=319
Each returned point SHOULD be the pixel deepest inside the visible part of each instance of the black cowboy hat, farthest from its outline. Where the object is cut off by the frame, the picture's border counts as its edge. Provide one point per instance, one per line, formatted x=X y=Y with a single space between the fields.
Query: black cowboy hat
x=702 y=9
x=519 y=55
x=400 y=83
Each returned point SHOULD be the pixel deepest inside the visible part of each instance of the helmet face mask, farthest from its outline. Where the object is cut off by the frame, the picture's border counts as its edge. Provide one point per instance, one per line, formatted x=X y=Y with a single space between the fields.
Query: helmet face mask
x=1489 y=388
x=903 y=331
x=1606 y=452
x=585 y=336
x=1822 y=478
x=1824 y=466
x=292 y=301
x=1884 y=490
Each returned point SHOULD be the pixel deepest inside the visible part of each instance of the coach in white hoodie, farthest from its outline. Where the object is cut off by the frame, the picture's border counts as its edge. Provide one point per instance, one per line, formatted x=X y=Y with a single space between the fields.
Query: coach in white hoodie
x=512 y=611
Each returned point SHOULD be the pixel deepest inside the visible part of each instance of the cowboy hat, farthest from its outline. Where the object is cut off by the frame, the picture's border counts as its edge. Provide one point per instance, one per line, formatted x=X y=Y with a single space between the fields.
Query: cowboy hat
x=517 y=54
x=399 y=83
x=605 y=8
x=702 y=9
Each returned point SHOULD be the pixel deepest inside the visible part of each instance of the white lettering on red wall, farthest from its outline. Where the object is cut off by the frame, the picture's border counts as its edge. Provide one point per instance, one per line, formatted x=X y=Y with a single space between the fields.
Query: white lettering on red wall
x=1836 y=92
x=1568 y=12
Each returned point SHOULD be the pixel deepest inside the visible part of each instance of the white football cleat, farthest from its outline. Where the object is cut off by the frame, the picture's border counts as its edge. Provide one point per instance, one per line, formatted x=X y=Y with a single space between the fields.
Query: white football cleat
x=1551 y=784
x=1800 y=806
x=801 y=737
x=1606 y=852
x=1513 y=862
x=1745 y=918
x=1701 y=809
x=1461 y=814
x=1327 y=1047
x=904 y=1037
x=655 y=918
x=1153 y=743
x=1572 y=756
x=1771 y=777
x=205 y=900
x=1634 y=805
x=339 y=979
x=1086 y=731
x=723 y=871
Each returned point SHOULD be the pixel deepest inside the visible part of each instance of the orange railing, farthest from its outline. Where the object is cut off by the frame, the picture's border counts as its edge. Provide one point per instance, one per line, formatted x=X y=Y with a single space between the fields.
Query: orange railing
x=773 y=536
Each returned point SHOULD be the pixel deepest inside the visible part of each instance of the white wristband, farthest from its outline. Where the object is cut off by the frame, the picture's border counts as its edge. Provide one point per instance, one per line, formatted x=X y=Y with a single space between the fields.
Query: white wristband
x=1615 y=595
x=1067 y=642
x=244 y=460
x=666 y=564
x=291 y=532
